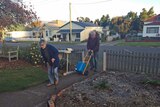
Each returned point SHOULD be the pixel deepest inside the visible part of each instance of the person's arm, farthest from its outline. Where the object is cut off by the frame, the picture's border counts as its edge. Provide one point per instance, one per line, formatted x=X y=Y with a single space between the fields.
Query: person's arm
x=54 y=53
x=88 y=46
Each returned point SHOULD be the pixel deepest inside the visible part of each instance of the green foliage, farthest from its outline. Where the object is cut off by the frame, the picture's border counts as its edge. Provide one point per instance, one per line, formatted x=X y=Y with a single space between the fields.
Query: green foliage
x=152 y=82
x=105 y=20
x=31 y=54
x=24 y=54
x=131 y=15
x=84 y=19
x=146 y=14
x=97 y=22
x=35 y=56
x=136 y=25
x=103 y=85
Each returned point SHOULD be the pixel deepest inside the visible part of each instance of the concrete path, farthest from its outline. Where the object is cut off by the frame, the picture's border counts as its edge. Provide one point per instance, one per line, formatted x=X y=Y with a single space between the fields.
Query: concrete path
x=38 y=96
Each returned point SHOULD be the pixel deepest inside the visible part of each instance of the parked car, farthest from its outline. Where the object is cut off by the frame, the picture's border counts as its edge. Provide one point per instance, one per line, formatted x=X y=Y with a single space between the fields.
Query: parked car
x=10 y=39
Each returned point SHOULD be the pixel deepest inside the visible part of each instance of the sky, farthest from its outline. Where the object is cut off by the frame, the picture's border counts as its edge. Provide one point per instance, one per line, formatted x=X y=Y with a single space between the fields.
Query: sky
x=49 y=10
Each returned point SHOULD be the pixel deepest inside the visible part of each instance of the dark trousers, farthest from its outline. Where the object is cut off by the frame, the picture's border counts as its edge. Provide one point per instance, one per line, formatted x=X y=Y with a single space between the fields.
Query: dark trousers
x=93 y=61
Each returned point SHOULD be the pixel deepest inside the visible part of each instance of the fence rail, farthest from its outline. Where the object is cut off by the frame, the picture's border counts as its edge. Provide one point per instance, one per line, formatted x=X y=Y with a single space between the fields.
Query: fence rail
x=132 y=62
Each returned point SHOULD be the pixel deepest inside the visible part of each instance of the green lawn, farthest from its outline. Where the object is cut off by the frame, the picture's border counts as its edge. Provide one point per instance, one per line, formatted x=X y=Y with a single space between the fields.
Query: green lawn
x=147 y=44
x=21 y=78
x=67 y=43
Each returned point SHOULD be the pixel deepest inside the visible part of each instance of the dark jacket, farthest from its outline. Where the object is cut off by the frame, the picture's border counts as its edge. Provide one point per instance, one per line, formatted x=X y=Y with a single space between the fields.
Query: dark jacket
x=52 y=53
x=93 y=44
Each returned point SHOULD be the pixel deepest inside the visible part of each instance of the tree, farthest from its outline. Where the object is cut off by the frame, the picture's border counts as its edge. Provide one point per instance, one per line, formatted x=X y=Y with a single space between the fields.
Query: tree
x=136 y=25
x=84 y=19
x=150 y=12
x=105 y=20
x=12 y=13
x=97 y=22
x=80 y=19
x=36 y=23
x=131 y=15
x=87 y=19
x=146 y=14
x=17 y=27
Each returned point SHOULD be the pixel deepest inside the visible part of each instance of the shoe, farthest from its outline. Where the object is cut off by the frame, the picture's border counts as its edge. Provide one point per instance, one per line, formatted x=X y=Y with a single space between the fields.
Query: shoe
x=56 y=82
x=48 y=85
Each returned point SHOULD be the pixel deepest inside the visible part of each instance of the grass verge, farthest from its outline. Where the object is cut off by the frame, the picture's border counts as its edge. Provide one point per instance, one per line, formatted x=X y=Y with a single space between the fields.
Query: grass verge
x=21 y=78
x=146 y=44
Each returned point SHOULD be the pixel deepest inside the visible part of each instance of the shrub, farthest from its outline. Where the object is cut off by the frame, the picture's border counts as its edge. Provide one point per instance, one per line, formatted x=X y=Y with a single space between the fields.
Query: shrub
x=31 y=54
x=35 y=56
x=103 y=85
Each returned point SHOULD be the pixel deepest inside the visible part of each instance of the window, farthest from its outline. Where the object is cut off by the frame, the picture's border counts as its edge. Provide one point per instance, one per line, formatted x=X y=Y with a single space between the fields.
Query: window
x=77 y=35
x=158 y=18
x=152 y=29
x=47 y=33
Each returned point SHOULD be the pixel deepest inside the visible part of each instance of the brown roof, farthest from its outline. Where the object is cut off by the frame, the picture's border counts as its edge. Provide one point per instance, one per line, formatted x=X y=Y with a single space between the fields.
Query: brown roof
x=153 y=19
x=153 y=23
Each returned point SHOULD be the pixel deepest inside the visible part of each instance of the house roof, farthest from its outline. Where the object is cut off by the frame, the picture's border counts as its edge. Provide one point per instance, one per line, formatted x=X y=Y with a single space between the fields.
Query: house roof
x=73 y=30
x=85 y=24
x=153 y=23
x=82 y=24
x=154 y=19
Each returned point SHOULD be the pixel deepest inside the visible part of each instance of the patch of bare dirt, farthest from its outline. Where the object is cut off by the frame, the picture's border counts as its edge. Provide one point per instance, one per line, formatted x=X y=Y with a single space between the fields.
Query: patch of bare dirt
x=4 y=63
x=113 y=89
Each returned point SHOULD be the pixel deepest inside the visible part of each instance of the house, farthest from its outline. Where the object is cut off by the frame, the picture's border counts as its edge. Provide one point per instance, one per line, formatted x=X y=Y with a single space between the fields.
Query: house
x=80 y=30
x=151 y=27
x=47 y=30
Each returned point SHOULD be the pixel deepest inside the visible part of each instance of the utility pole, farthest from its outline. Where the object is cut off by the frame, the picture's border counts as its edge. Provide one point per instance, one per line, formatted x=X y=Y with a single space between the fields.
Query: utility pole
x=70 y=25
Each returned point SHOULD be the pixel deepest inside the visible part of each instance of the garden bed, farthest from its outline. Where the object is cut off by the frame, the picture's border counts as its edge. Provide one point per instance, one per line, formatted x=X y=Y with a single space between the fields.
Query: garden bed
x=113 y=89
x=5 y=64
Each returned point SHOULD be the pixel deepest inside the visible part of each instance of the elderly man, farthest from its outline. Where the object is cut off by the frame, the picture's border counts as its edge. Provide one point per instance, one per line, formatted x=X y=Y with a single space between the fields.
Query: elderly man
x=93 y=46
x=50 y=56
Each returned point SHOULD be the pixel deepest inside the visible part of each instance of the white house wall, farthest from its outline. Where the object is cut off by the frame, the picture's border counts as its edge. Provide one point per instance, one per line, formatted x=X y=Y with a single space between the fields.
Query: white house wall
x=20 y=34
x=85 y=33
x=74 y=26
x=145 y=34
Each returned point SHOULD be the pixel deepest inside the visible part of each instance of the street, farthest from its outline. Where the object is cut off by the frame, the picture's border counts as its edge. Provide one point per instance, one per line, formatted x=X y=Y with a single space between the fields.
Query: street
x=103 y=47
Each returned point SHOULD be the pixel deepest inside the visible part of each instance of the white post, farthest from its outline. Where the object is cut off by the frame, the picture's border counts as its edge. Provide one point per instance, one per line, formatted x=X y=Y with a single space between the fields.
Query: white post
x=104 y=61
x=9 y=56
x=82 y=55
x=70 y=24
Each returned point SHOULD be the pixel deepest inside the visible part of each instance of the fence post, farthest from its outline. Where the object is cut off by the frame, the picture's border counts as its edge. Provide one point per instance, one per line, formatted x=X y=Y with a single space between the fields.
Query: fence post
x=82 y=54
x=104 y=61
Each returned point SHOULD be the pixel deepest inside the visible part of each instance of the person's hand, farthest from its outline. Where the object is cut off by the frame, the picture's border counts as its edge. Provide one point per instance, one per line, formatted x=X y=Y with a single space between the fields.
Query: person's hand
x=52 y=60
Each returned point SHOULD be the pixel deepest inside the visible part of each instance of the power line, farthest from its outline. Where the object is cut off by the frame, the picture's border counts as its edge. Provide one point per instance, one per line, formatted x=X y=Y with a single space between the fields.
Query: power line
x=91 y=2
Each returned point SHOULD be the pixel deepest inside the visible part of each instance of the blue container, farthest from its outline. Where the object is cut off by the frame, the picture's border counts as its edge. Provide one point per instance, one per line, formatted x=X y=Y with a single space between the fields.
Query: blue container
x=80 y=67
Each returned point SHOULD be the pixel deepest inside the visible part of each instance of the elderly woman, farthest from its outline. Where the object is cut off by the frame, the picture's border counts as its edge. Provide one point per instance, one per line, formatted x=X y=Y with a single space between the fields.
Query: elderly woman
x=93 y=46
x=50 y=56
